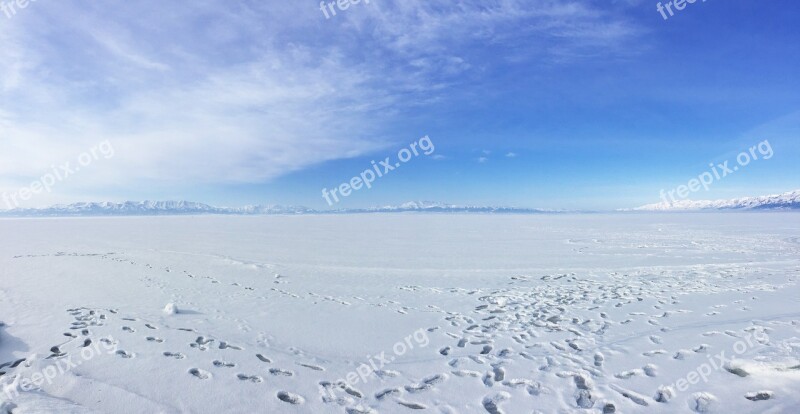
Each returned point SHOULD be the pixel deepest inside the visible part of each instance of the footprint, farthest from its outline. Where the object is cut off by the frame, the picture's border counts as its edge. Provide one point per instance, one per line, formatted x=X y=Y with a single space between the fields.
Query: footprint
x=733 y=368
x=290 y=398
x=702 y=402
x=583 y=398
x=759 y=396
x=599 y=358
x=125 y=354
x=262 y=358
x=13 y=364
x=534 y=388
x=350 y=390
x=499 y=374
x=629 y=374
x=56 y=353
x=633 y=396
x=251 y=378
x=360 y=410
x=128 y=329
x=154 y=339
x=492 y=403
x=87 y=343
x=387 y=373
x=176 y=355
x=388 y=392
x=280 y=372
x=411 y=405
x=223 y=364
x=664 y=394
x=201 y=343
x=309 y=366
x=426 y=384
x=199 y=373
x=150 y=326
x=225 y=345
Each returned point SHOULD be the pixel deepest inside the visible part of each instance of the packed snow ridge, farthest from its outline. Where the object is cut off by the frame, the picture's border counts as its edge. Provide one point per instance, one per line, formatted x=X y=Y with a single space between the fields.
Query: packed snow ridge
x=785 y=201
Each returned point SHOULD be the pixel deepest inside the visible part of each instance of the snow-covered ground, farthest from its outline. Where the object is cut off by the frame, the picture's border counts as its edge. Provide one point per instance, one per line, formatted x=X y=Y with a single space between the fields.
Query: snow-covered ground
x=399 y=313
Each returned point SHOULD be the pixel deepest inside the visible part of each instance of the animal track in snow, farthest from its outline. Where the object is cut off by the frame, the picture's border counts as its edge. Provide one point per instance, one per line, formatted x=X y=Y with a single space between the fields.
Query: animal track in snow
x=412 y=405
x=199 y=373
x=759 y=395
x=125 y=354
x=223 y=364
x=55 y=352
x=176 y=355
x=309 y=366
x=492 y=403
x=388 y=392
x=290 y=398
x=201 y=343
x=225 y=345
x=426 y=384
x=702 y=402
x=250 y=378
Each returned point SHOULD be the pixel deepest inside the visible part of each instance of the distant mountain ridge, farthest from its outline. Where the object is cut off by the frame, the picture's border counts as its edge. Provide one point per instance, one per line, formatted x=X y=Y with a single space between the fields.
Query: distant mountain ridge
x=785 y=201
x=155 y=208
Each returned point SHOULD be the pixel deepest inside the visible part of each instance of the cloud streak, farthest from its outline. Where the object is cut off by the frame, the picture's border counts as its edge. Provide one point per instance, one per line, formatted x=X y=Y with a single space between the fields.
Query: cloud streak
x=246 y=93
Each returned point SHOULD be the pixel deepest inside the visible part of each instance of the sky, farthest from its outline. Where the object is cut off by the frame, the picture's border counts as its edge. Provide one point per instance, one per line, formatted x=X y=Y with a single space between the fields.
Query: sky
x=574 y=104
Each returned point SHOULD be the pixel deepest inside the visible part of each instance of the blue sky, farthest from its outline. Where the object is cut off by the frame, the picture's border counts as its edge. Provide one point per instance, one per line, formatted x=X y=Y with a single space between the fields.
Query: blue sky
x=602 y=103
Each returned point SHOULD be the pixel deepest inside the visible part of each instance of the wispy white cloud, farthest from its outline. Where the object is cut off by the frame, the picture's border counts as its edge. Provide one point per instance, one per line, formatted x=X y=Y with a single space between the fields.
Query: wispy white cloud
x=247 y=92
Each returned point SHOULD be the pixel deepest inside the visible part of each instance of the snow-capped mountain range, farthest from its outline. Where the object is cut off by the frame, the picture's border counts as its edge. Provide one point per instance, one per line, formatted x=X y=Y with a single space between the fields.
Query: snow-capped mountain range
x=785 y=201
x=153 y=208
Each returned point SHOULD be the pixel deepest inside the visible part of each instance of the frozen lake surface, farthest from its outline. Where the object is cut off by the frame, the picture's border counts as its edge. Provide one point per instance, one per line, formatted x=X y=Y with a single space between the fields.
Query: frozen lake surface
x=402 y=313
